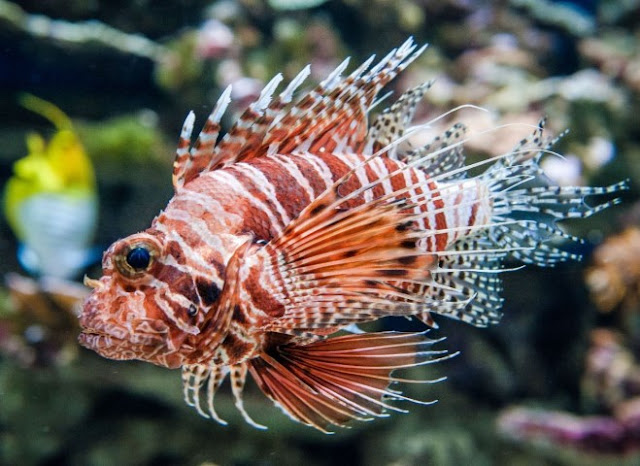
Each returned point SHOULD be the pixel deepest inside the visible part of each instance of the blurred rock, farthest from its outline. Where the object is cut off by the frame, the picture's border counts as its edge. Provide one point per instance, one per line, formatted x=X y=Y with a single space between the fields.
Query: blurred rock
x=614 y=276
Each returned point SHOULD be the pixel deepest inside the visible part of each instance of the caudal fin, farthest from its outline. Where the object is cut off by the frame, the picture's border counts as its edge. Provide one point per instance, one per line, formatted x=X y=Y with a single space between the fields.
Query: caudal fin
x=525 y=208
x=341 y=379
x=527 y=205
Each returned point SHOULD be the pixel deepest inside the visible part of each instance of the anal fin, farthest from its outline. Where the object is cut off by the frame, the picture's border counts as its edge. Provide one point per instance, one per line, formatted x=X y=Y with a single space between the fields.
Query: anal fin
x=469 y=274
x=332 y=382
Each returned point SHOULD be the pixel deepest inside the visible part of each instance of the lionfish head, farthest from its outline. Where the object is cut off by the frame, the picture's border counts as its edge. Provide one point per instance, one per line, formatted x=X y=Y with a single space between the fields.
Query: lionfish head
x=146 y=306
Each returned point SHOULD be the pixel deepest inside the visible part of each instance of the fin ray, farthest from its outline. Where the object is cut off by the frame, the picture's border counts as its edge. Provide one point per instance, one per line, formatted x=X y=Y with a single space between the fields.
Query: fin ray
x=311 y=385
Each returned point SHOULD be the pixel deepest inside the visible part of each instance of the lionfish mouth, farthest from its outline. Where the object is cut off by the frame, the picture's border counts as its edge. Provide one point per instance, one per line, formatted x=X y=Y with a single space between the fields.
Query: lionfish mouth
x=111 y=346
x=93 y=338
x=96 y=340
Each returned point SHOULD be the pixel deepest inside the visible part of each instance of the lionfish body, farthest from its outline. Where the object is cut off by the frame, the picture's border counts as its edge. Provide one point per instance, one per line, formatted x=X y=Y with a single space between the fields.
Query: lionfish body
x=302 y=221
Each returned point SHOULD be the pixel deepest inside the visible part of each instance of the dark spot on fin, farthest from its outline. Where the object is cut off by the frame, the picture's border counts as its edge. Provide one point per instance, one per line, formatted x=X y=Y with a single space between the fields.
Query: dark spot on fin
x=403 y=226
x=393 y=272
x=408 y=244
x=407 y=260
x=317 y=209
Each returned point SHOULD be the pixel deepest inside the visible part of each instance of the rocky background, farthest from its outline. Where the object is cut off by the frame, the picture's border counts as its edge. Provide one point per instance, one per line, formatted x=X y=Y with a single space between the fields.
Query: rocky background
x=557 y=382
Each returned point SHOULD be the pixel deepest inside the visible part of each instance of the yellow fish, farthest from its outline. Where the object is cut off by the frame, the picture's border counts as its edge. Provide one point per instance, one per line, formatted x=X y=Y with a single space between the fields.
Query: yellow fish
x=50 y=201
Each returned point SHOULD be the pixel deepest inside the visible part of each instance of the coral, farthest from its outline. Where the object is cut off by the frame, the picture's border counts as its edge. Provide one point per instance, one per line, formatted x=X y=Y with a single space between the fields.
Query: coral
x=613 y=278
x=611 y=382
x=617 y=434
x=612 y=374
x=39 y=322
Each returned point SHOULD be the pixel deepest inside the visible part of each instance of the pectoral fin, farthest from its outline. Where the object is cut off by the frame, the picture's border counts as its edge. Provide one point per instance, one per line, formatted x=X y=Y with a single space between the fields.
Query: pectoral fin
x=335 y=266
x=335 y=381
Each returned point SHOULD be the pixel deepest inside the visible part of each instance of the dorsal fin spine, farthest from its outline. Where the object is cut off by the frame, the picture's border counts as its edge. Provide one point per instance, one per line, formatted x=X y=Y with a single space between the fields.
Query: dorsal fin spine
x=330 y=81
x=337 y=105
x=181 y=163
x=287 y=94
x=265 y=96
x=221 y=106
x=185 y=134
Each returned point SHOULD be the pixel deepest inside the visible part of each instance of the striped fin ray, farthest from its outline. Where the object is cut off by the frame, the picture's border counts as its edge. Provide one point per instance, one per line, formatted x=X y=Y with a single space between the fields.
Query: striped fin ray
x=335 y=381
x=522 y=191
x=245 y=128
x=443 y=157
x=253 y=147
x=471 y=269
x=244 y=140
x=337 y=109
x=190 y=162
x=332 y=115
x=392 y=122
x=198 y=378
x=238 y=144
x=238 y=379
x=333 y=267
x=182 y=163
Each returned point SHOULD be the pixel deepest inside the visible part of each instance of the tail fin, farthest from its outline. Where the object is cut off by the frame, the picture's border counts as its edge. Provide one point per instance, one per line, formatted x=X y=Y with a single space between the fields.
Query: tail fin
x=525 y=208
x=527 y=204
x=335 y=381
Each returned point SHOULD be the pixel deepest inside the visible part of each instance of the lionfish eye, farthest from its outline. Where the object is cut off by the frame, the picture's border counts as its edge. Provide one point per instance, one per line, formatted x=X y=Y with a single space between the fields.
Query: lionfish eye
x=135 y=257
x=139 y=258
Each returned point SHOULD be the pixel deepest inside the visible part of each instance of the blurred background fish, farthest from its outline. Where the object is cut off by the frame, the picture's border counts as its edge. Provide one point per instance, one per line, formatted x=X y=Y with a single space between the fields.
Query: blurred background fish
x=51 y=205
x=50 y=202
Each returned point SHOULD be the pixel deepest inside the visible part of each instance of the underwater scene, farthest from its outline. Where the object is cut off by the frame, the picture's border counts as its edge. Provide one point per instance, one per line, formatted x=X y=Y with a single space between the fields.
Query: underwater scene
x=430 y=257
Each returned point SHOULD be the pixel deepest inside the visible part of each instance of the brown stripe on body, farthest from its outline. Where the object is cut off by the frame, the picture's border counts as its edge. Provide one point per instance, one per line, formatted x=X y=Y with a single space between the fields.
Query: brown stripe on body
x=193 y=240
x=441 y=219
x=236 y=348
x=262 y=297
x=255 y=220
x=311 y=173
x=474 y=212
x=397 y=181
x=378 y=190
x=179 y=282
x=291 y=195
x=337 y=166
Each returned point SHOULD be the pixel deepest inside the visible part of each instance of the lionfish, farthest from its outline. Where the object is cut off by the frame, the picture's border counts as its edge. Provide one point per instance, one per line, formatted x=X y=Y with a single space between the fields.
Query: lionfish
x=302 y=222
